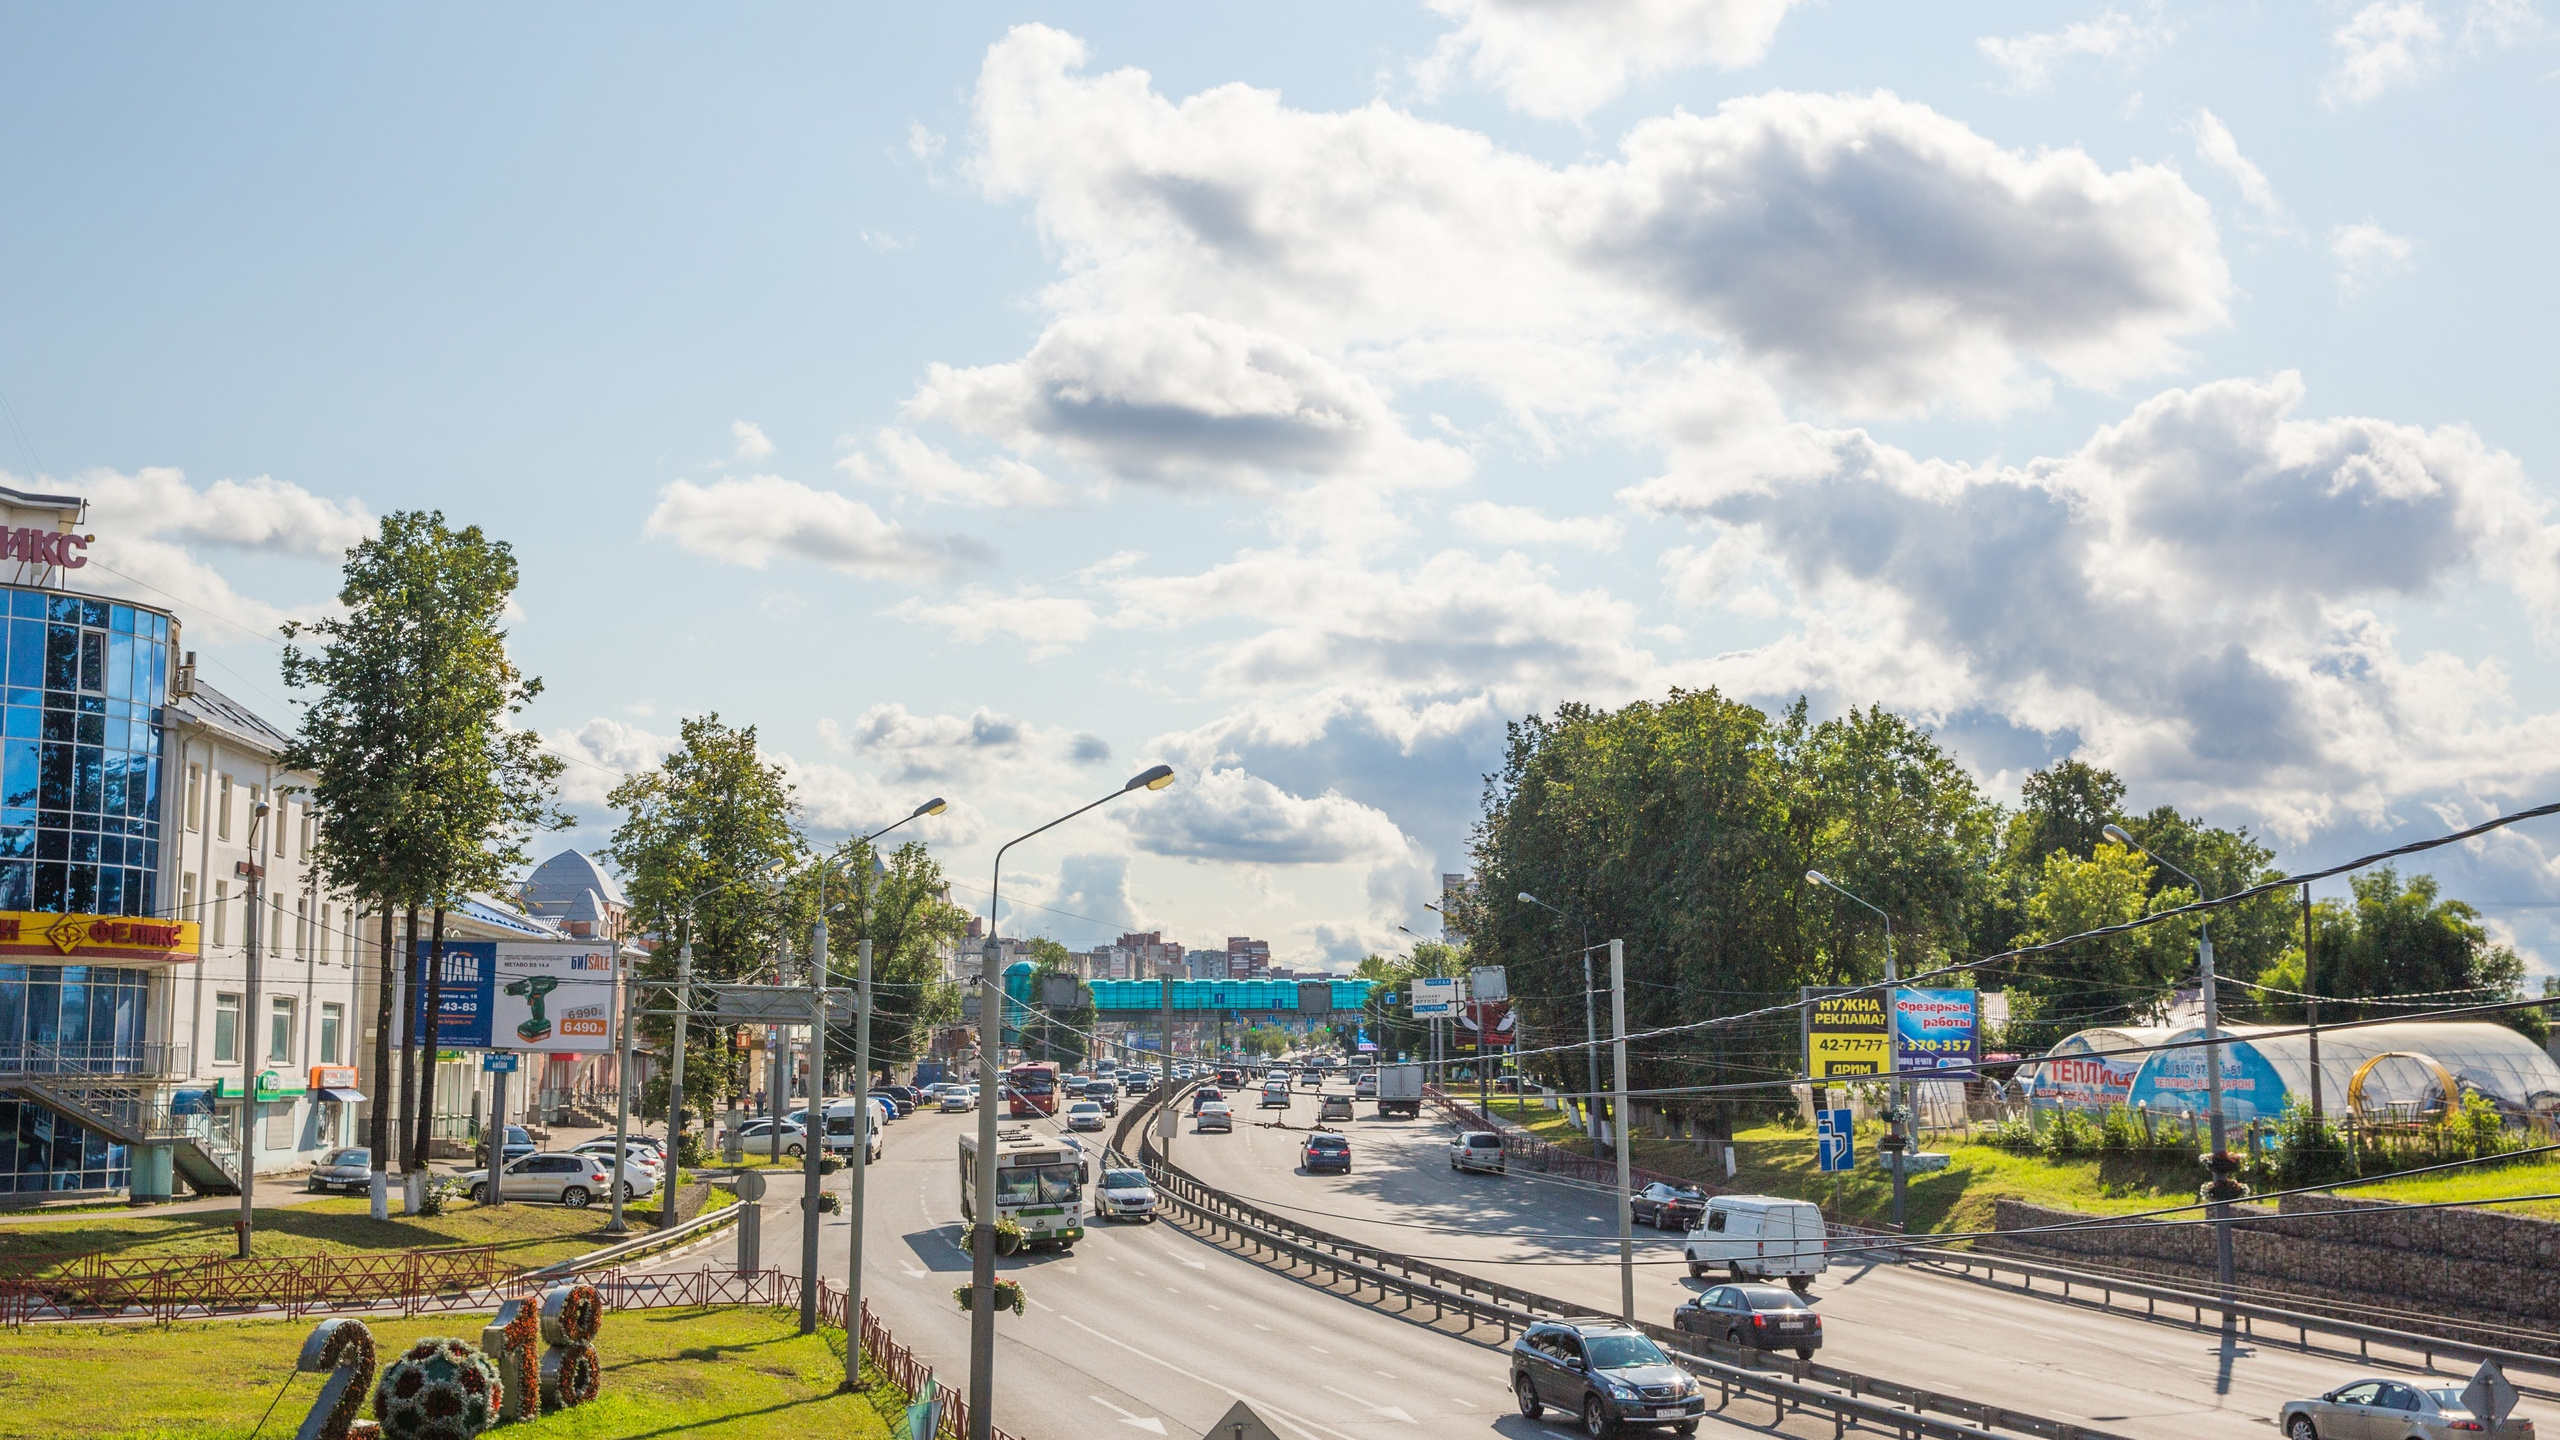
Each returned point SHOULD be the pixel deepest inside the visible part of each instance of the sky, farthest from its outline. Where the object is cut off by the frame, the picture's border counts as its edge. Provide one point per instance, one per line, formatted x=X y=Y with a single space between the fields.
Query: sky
x=988 y=402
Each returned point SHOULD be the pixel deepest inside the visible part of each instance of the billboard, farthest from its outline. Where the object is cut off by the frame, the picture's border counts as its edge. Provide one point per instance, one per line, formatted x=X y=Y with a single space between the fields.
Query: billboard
x=1483 y=1023
x=1935 y=1035
x=1845 y=1033
x=1435 y=997
x=464 y=998
x=552 y=997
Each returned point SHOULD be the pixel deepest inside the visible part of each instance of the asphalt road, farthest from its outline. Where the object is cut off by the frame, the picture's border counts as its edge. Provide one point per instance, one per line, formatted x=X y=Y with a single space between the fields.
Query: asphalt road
x=1897 y=1322
x=1141 y=1329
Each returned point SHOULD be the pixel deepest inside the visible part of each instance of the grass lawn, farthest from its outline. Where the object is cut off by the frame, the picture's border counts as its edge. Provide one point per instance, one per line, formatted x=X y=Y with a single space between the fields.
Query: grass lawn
x=1775 y=1160
x=723 y=1374
x=526 y=1235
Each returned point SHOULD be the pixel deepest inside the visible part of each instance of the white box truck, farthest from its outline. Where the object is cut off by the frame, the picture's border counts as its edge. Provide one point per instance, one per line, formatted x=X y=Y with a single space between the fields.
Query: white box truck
x=1400 y=1090
x=1759 y=1237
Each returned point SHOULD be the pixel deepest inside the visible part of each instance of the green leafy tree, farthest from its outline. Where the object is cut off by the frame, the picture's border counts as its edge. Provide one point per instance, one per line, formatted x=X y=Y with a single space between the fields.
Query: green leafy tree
x=2397 y=938
x=2059 y=991
x=1059 y=1035
x=706 y=845
x=902 y=905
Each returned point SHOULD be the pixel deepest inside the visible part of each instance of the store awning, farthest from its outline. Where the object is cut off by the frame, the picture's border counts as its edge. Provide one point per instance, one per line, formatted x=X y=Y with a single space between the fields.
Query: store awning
x=338 y=1096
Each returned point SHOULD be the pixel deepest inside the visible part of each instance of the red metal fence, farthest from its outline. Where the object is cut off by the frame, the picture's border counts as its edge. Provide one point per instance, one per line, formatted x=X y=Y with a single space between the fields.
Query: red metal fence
x=169 y=1286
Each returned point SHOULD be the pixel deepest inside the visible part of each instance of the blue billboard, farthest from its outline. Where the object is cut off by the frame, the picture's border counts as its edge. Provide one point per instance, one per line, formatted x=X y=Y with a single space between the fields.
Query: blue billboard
x=1935 y=1035
x=467 y=997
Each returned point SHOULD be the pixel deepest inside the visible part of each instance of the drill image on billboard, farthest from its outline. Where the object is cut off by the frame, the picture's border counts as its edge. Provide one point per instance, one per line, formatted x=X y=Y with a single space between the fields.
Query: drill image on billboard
x=1845 y=1033
x=553 y=997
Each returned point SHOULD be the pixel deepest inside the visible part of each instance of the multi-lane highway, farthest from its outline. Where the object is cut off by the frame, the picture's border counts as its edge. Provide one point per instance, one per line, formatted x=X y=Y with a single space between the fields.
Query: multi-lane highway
x=1896 y=1322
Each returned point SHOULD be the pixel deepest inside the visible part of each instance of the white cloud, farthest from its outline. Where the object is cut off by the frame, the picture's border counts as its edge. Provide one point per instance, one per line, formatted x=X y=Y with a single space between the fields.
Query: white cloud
x=1868 y=250
x=2383 y=46
x=263 y=514
x=1524 y=525
x=1054 y=624
x=752 y=444
x=1228 y=813
x=1186 y=401
x=602 y=753
x=1562 y=59
x=2366 y=253
x=915 y=467
x=2218 y=147
x=2031 y=60
x=932 y=747
x=748 y=522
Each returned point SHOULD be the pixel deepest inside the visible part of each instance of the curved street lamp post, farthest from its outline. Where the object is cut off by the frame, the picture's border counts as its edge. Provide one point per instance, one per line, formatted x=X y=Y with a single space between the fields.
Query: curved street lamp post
x=1896 y=1141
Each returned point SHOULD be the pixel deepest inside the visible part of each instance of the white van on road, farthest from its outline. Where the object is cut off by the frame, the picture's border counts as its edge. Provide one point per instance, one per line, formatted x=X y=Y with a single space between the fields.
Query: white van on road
x=1759 y=1237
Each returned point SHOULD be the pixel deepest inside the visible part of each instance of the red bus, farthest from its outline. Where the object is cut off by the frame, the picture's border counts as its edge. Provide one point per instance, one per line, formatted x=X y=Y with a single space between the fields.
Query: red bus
x=1032 y=1089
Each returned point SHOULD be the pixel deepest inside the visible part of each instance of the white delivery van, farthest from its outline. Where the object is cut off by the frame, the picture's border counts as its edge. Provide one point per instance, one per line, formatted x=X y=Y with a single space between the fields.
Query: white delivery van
x=845 y=1129
x=1759 y=1237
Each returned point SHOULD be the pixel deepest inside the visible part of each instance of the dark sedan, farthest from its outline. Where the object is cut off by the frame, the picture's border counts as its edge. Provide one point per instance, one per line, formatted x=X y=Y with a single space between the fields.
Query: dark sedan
x=1325 y=1152
x=1668 y=1207
x=1756 y=1317
x=350 y=1170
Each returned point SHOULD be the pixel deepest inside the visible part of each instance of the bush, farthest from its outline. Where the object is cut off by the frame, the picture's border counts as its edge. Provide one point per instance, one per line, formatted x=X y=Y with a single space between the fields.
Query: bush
x=691 y=1149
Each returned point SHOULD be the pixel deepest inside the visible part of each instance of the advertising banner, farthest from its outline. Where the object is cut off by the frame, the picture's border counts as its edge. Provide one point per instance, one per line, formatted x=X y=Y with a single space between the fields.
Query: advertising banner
x=1845 y=1033
x=1935 y=1035
x=1486 y=1023
x=553 y=998
x=465 y=998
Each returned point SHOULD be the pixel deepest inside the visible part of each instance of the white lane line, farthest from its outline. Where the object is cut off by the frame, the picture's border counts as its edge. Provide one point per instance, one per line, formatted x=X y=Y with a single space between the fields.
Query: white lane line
x=1390 y=1411
x=1319 y=1349
x=1267 y=1407
x=1384 y=1375
x=1148 y=1423
x=1258 y=1325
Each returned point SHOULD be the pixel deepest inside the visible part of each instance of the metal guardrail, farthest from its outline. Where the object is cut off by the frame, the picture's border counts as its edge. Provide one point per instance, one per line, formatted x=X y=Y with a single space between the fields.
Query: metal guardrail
x=615 y=1254
x=1511 y=1308
x=2249 y=1312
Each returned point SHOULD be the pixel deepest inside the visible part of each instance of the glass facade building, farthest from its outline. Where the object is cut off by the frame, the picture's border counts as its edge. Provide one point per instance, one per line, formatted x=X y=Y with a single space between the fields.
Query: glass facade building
x=84 y=682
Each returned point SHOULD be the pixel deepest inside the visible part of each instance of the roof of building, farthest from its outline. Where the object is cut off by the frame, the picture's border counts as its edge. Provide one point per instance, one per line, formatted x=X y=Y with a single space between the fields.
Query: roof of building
x=214 y=710
x=489 y=910
x=572 y=886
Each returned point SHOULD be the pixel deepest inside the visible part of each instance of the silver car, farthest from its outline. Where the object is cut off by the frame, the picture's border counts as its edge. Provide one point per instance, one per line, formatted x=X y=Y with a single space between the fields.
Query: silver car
x=571 y=1180
x=2376 y=1409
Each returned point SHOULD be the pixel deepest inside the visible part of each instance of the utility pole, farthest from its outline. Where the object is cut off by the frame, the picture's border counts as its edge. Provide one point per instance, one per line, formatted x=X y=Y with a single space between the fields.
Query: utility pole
x=675 y=1082
x=813 y=1130
x=1618 y=1132
x=253 y=1040
x=2311 y=1001
x=861 y=1158
x=982 y=1234
x=622 y=1096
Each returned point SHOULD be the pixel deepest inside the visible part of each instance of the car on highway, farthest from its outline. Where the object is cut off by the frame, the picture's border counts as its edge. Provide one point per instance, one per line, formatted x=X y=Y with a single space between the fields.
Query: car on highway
x=1275 y=1097
x=2377 y=1409
x=959 y=1097
x=1104 y=1094
x=1325 y=1152
x=1759 y=1237
x=1214 y=1116
x=1312 y=1078
x=559 y=1177
x=1476 y=1150
x=1137 y=1082
x=1231 y=1077
x=1604 y=1375
x=1366 y=1087
x=1084 y=1115
x=349 y=1169
x=1756 y=1317
x=1205 y=1096
x=1666 y=1206
x=1125 y=1195
x=1333 y=1107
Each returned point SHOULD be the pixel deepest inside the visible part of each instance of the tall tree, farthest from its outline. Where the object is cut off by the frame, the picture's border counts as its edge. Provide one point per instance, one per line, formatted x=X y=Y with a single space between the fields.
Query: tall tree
x=2397 y=938
x=704 y=836
x=2120 y=977
x=902 y=905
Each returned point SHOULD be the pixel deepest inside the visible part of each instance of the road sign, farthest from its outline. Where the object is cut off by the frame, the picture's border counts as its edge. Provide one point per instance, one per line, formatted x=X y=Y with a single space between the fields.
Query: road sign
x=1835 y=1139
x=2489 y=1397
x=1240 y=1423
x=1845 y=1032
x=774 y=1004
x=1488 y=982
x=1435 y=996
x=499 y=1062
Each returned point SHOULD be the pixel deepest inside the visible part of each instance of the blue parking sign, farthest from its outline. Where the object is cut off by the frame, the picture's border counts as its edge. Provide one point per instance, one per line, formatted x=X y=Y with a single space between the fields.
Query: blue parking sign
x=1835 y=1139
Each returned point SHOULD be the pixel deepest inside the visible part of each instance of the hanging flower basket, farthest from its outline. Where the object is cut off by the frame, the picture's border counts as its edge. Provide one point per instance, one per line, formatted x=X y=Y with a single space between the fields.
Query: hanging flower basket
x=1009 y=1237
x=829 y=1202
x=1008 y=1296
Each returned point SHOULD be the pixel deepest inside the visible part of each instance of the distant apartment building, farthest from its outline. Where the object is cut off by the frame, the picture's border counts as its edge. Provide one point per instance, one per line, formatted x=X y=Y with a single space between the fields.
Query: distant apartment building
x=1206 y=964
x=1248 y=958
x=1154 y=956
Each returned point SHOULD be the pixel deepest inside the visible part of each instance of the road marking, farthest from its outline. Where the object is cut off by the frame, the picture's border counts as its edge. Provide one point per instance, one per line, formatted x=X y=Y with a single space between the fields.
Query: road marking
x=1319 y=1349
x=913 y=1273
x=1044 y=1307
x=1258 y=1325
x=1197 y=1264
x=1267 y=1407
x=1148 y=1423
x=1390 y=1411
x=1384 y=1374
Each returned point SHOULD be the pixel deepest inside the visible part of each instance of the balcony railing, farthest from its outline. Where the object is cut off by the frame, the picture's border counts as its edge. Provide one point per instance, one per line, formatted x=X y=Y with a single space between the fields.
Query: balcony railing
x=156 y=1060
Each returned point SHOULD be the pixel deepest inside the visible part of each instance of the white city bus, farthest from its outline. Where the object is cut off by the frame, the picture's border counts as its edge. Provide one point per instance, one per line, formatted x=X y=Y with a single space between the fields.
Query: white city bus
x=1039 y=1184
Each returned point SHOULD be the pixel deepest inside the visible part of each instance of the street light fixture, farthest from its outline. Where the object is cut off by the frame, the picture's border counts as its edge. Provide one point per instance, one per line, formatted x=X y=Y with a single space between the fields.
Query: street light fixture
x=2218 y=1167
x=982 y=1239
x=1895 y=1141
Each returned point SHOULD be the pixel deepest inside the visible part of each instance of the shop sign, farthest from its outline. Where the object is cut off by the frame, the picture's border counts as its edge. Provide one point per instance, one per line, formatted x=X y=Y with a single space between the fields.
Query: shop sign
x=29 y=545
x=271 y=1086
x=97 y=937
x=333 y=1077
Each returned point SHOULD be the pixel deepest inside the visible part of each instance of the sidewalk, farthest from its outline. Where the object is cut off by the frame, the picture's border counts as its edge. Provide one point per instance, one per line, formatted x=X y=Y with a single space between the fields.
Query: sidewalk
x=273 y=1190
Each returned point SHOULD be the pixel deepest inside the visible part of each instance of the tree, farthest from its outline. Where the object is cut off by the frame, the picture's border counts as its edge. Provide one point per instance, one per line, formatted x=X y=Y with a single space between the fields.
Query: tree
x=903 y=906
x=703 y=845
x=2397 y=939
x=2059 y=991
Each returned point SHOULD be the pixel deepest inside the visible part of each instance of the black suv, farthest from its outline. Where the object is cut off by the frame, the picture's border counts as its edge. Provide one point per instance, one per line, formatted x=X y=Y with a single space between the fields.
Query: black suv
x=1604 y=1373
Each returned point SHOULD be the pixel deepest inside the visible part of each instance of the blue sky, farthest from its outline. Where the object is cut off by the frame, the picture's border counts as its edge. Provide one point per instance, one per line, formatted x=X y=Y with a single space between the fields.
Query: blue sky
x=991 y=401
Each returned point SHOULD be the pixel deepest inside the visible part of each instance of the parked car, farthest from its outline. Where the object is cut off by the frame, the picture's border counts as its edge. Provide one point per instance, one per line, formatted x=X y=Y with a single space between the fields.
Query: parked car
x=1759 y=1317
x=1325 y=1152
x=519 y=1144
x=846 y=1130
x=1603 y=1374
x=1759 y=1237
x=960 y=1097
x=1275 y=1096
x=637 y=1160
x=1476 y=1150
x=2377 y=1409
x=1332 y=1108
x=564 y=1178
x=1666 y=1206
x=349 y=1169
x=753 y=1135
x=908 y=1097
x=1084 y=1115
x=1214 y=1116
x=1124 y=1195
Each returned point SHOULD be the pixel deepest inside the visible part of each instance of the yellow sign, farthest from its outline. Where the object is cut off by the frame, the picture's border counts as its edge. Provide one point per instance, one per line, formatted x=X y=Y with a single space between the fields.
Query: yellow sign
x=1845 y=1034
x=97 y=937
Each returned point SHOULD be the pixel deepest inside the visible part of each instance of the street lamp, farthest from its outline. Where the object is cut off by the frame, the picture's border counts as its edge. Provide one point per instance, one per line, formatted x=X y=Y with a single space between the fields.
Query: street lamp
x=1590 y=1015
x=2219 y=1166
x=1895 y=1142
x=982 y=1239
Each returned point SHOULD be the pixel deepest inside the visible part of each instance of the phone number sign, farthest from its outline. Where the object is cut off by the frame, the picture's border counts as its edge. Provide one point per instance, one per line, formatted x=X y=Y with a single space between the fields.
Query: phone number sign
x=1936 y=1034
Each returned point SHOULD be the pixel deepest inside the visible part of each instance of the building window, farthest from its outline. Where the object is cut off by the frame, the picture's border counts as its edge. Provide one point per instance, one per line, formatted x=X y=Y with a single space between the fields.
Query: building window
x=226 y=1029
x=280 y=1031
x=195 y=797
x=275 y=927
x=306 y=830
x=221 y=911
x=301 y=928
x=332 y=1020
x=187 y=896
x=222 y=807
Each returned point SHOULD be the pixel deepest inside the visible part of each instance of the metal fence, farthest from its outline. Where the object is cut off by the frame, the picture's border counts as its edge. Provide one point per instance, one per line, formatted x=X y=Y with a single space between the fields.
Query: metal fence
x=100 y=1286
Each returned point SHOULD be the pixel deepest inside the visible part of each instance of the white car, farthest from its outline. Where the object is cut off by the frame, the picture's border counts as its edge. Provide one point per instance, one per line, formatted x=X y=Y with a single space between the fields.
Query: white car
x=754 y=1135
x=1476 y=1150
x=1214 y=1116
x=1084 y=1115
x=1124 y=1195
x=960 y=1097
x=568 y=1179
x=641 y=1164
